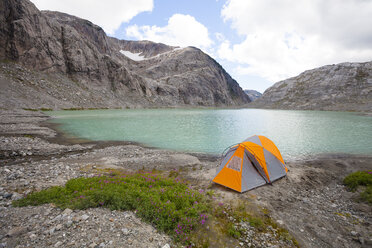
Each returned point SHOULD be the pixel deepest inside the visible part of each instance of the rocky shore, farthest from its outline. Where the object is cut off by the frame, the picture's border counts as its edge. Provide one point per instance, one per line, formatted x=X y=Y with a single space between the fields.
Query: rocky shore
x=310 y=202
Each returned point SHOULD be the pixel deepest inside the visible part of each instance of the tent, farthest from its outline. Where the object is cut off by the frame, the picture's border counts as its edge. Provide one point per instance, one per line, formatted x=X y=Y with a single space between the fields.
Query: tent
x=250 y=164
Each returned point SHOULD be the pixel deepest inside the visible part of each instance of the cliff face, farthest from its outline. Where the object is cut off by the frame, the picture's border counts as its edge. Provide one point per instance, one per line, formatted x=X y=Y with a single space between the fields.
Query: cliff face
x=345 y=86
x=111 y=71
x=253 y=94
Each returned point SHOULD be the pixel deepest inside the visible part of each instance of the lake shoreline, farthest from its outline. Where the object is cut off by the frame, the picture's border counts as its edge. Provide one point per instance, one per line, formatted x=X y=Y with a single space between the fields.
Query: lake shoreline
x=298 y=134
x=310 y=202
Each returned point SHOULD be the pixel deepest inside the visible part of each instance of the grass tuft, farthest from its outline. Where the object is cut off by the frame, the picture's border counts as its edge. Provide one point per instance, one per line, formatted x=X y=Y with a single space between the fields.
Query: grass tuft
x=361 y=178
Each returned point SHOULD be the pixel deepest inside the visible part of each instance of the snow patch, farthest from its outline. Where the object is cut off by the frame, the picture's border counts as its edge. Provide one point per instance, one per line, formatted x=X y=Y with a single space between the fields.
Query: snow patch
x=138 y=57
x=132 y=56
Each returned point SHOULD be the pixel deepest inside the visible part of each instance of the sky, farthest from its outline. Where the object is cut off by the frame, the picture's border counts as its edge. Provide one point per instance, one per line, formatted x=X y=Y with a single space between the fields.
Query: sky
x=258 y=42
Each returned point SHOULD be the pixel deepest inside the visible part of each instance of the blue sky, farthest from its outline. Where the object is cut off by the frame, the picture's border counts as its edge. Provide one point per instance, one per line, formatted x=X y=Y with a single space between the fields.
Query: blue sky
x=207 y=12
x=257 y=42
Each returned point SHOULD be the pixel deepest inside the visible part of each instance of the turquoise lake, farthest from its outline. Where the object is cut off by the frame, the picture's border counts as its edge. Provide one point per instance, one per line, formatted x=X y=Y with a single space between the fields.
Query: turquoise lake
x=296 y=133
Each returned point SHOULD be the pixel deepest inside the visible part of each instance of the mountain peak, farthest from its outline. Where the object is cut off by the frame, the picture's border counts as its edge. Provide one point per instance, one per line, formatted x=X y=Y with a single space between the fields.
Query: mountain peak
x=80 y=51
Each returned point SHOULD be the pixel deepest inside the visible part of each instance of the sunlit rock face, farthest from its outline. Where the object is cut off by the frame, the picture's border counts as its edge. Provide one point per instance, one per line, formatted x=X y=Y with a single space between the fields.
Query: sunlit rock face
x=345 y=86
x=113 y=72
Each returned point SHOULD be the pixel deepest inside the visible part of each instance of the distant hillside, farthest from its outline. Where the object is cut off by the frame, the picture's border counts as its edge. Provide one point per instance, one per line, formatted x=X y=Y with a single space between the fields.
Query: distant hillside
x=345 y=86
x=253 y=94
x=55 y=60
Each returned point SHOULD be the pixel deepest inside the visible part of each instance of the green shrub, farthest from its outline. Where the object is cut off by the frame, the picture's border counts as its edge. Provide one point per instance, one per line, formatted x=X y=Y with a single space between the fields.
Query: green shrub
x=367 y=195
x=358 y=178
x=233 y=231
x=361 y=178
x=167 y=203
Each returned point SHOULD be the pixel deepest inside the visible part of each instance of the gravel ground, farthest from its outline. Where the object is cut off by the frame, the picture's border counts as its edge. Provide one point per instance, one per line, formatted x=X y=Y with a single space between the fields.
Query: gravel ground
x=46 y=226
x=310 y=202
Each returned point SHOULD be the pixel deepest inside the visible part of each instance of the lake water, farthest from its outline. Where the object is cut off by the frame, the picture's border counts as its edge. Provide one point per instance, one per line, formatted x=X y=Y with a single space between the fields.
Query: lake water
x=296 y=133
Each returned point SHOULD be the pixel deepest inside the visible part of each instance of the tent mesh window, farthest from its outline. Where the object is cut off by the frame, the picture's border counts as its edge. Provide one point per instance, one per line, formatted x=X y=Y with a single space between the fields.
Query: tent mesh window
x=235 y=163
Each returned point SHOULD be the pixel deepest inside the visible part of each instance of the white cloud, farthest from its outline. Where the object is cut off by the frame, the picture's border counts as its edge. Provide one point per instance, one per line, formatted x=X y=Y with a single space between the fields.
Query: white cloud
x=284 y=38
x=108 y=14
x=181 y=30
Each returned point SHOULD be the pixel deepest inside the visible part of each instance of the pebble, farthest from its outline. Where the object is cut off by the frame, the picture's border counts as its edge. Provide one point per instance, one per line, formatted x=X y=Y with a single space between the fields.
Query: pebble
x=59 y=227
x=125 y=231
x=84 y=217
x=68 y=223
x=58 y=244
x=67 y=211
x=8 y=195
x=33 y=236
x=17 y=231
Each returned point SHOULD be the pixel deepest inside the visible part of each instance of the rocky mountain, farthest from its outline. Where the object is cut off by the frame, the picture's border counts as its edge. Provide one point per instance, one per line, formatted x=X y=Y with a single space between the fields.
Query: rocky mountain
x=55 y=60
x=253 y=94
x=345 y=86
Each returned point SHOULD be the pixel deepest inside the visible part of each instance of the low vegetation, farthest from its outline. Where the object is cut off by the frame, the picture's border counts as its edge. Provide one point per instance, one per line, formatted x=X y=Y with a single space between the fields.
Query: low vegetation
x=192 y=217
x=260 y=220
x=40 y=109
x=363 y=180
x=167 y=203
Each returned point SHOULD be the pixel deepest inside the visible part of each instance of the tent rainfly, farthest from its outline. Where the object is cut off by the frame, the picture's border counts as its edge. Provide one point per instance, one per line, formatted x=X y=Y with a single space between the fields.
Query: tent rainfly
x=250 y=164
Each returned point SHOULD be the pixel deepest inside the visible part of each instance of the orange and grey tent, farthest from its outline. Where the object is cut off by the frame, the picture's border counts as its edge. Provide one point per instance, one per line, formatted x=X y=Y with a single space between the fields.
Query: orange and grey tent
x=250 y=164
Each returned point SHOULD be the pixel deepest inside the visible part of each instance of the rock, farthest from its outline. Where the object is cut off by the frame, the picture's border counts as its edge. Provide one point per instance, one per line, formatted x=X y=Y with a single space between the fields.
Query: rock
x=59 y=227
x=66 y=212
x=58 y=244
x=368 y=242
x=68 y=224
x=166 y=246
x=84 y=217
x=17 y=231
x=8 y=195
x=125 y=231
x=76 y=48
x=253 y=94
x=361 y=240
x=33 y=236
x=354 y=233
x=344 y=86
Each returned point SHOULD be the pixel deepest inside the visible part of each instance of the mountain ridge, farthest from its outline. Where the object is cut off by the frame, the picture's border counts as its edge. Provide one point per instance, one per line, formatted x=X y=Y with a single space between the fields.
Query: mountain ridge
x=253 y=94
x=341 y=87
x=52 y=42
